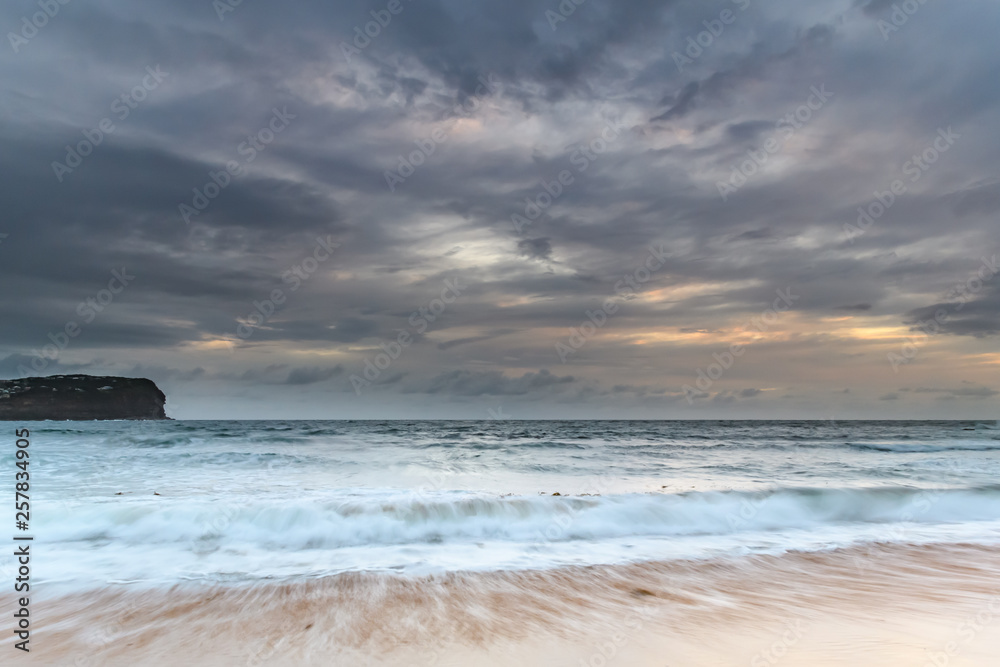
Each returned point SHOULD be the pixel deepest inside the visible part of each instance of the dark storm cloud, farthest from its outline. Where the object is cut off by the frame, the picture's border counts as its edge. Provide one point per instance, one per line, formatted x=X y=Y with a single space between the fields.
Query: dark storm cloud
x=637 y=390
x=875 y=7
x=731 y=397
x=977 y=316
x=462 y=341
x=551 y=94
x=163 y=373
x=260 y=374
x=351 y=329
x=302 y=376
x=755 y=235
x=679 y=104
x=480 y=383
x=11 y=365
x=749 y=131
x=535 y=248
x=977 y=200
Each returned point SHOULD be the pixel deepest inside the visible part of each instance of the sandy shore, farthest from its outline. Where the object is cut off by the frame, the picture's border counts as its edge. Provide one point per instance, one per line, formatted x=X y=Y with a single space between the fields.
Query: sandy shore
x=887 y=605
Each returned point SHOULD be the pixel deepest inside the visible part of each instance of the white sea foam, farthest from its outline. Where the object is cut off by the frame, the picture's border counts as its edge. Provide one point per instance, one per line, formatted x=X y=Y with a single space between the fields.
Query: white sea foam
x=248 y=500
x=166 y=539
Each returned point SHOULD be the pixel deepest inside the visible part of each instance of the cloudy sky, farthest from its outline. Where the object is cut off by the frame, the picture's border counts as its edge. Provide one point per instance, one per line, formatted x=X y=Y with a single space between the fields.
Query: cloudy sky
x=510 y=208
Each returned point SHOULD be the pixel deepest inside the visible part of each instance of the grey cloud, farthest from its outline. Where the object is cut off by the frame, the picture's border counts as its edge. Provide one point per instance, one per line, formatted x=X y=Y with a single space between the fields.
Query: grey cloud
x=352 y=329
x=680 y=103
x=874 y=7
x=975 y=392
x=656 y=183
x=164 y=373
x=539 y=248
x=961 y=392
x=312 y=375
x=749 y=131
x=979 y=316
x=481 y=383
x=462 y=341
x=756 y=235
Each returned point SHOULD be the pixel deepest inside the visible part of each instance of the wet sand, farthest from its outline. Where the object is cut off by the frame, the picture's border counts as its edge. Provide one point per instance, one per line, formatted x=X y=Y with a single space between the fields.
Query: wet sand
x=883 y=605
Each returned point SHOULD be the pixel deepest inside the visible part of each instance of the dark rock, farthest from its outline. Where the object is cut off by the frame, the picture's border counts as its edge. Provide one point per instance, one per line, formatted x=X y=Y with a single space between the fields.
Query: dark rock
x=80 y=398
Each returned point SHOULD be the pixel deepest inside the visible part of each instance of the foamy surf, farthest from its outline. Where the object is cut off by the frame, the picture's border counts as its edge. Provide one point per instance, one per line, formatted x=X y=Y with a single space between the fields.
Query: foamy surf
x=167 y=539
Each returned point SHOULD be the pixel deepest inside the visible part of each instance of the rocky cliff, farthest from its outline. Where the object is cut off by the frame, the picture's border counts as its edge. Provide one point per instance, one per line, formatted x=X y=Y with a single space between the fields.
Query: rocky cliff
x=80 y=397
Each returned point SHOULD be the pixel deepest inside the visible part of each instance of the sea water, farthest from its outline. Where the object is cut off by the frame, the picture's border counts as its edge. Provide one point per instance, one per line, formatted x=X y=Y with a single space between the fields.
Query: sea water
x=155 y=504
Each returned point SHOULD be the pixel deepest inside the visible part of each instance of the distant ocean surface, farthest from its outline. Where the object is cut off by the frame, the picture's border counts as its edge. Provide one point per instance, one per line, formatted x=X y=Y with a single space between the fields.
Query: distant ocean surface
x=255 y=501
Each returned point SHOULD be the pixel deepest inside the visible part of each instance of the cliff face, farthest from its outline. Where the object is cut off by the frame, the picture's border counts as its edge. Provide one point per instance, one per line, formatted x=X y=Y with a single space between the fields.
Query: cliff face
x=80 y=397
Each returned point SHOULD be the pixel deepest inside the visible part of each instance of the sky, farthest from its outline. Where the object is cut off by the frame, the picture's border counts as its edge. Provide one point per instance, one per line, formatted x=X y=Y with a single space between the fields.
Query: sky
x=507 y=209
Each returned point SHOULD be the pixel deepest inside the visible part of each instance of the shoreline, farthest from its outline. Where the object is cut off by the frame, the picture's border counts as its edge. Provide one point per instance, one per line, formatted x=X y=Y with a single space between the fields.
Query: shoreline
x=814 y=608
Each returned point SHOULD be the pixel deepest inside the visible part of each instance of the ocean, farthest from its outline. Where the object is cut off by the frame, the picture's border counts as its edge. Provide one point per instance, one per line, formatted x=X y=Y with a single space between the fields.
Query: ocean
x=171 y=510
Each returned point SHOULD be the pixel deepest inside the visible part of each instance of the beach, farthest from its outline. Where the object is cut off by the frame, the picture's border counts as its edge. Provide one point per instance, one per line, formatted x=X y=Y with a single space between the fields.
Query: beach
x=878 y=605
